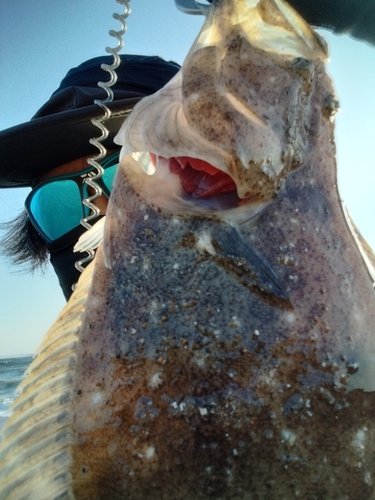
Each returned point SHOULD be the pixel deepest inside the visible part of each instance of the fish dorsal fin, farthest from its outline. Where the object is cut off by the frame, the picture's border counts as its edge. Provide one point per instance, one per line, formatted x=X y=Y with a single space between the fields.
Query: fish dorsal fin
x=35 y=451
x=364 y=248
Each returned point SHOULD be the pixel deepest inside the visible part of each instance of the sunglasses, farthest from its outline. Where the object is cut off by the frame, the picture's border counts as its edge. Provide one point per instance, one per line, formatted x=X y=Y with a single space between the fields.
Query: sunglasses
x=55 y=206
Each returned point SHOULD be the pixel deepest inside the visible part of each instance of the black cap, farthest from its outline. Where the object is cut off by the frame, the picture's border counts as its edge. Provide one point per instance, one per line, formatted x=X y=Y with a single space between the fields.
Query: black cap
x=60 y=131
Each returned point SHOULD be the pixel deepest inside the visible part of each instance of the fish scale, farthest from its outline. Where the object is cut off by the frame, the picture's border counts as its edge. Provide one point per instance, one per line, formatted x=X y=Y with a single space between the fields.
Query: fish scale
x=222 y=351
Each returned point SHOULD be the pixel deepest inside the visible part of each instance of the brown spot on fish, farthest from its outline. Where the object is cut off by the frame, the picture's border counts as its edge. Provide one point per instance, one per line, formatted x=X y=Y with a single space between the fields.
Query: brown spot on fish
x=189 y=240
x=331 y=106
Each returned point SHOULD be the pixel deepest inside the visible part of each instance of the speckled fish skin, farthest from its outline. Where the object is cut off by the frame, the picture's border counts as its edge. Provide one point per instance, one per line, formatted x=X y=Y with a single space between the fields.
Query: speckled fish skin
x=192 y=382
x=189 y=386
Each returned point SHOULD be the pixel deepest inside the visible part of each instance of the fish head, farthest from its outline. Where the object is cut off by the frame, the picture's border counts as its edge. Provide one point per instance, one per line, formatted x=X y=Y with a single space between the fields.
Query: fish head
x=242 y=103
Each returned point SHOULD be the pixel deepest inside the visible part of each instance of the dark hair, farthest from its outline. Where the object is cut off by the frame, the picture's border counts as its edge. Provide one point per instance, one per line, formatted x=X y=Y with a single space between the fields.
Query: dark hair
x=23 y=244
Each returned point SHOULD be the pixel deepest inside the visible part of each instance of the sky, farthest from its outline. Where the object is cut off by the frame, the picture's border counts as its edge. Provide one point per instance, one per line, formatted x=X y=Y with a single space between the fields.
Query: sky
x=41 y=40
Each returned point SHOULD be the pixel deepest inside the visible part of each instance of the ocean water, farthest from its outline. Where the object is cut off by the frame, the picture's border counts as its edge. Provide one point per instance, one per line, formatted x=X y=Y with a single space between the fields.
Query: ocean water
x=12 y=371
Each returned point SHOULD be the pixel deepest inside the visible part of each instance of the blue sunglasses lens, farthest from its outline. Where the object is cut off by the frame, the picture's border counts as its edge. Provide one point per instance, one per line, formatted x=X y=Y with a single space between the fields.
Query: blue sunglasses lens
x=55 y=207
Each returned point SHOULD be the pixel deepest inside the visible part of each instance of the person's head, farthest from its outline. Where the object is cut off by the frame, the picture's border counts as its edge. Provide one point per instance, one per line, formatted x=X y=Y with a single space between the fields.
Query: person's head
x=49 y=154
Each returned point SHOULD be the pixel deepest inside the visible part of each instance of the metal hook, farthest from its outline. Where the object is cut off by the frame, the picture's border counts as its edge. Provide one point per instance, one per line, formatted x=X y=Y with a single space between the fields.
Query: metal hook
x=192 y=7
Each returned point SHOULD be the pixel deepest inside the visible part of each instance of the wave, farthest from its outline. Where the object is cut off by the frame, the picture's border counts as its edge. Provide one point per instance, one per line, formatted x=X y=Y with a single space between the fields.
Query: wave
x=12 y=371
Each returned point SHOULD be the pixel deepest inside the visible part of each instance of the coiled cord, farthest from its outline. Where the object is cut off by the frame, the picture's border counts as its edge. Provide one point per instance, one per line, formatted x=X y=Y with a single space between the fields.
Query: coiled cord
x=98 y=171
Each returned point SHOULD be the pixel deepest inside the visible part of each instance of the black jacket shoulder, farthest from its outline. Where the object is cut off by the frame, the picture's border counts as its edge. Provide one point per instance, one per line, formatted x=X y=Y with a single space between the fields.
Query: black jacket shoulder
x=354 y=17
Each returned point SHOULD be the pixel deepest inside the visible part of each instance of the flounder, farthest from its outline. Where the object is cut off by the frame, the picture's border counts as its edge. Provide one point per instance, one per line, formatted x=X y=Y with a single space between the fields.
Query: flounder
x=225 y=347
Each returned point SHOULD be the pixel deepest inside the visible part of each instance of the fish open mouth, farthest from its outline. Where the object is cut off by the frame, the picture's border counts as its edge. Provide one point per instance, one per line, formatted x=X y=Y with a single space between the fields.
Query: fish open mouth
x=201 y=180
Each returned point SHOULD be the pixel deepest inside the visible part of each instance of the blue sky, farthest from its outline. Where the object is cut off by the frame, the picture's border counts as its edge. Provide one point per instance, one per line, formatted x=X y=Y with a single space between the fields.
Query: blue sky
x=41 y=40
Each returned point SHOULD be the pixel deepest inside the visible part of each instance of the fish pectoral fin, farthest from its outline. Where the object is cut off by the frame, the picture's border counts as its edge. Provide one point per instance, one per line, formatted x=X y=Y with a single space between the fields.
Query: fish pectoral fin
x=236 y=255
